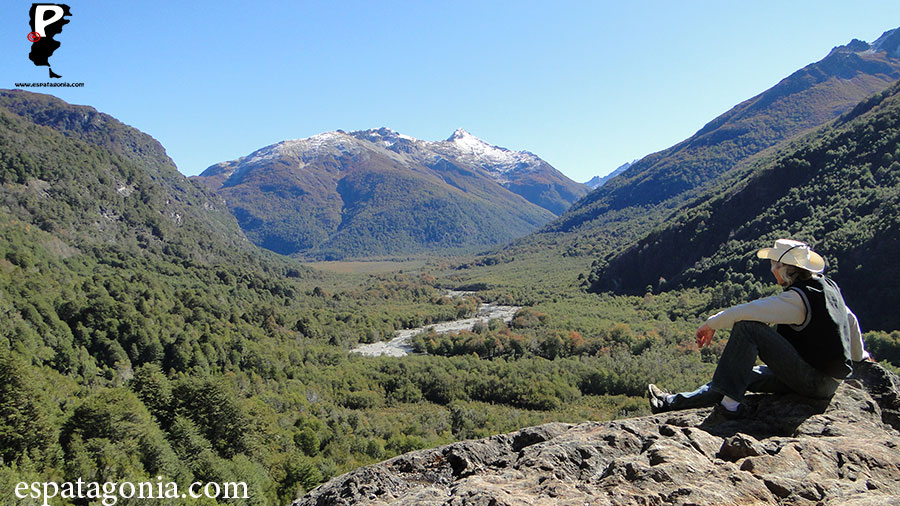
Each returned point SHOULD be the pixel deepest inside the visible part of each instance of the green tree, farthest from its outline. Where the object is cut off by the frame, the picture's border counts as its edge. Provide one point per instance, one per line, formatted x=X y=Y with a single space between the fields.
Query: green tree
x=26 y=417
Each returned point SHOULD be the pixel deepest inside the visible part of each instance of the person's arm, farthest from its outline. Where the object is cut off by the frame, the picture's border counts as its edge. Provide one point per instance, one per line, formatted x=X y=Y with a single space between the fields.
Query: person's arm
x=858 y=351
x=787 y=307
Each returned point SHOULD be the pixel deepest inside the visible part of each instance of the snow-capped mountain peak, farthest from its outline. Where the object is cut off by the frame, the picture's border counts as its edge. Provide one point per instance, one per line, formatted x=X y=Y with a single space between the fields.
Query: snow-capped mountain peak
x=301 y=149
x=384 y=136
x=597 y=181
x=460 y=133
x=500 y=159
x=302 y=169
x=469 y=142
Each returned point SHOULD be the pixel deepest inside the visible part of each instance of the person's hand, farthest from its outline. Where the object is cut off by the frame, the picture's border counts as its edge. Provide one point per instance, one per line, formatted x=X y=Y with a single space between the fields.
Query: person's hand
x=705 y=335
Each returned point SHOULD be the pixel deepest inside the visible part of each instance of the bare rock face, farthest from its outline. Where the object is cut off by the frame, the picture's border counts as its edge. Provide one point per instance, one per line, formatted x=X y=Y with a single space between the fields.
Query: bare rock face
x=790 y=451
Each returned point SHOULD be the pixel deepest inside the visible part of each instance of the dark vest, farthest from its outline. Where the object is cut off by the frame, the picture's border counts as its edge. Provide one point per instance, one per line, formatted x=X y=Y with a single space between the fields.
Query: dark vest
x=823 y=340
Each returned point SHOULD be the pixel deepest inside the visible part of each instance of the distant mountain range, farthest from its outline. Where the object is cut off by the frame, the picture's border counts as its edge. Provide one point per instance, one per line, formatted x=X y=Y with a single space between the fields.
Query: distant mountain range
x=379 y=192
x=597 y=181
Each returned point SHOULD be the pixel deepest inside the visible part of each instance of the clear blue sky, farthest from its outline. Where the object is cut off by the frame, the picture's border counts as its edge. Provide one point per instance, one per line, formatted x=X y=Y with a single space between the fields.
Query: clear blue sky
x=585 y=85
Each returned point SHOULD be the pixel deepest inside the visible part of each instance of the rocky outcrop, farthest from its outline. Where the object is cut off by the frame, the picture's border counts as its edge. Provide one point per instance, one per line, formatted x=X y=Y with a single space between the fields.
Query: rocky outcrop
x=791 y=450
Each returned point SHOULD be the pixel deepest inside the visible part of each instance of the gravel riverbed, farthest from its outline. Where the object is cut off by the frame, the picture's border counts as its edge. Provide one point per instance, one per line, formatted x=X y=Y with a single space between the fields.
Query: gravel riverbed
x=399 y=346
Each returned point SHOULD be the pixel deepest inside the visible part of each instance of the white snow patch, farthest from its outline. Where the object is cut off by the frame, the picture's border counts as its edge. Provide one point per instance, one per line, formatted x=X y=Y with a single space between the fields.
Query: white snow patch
x=302 y=149
x=494 y=158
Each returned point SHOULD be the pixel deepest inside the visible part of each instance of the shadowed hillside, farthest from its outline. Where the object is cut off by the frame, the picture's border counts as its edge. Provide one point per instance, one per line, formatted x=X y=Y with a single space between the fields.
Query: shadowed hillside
x=838 y=189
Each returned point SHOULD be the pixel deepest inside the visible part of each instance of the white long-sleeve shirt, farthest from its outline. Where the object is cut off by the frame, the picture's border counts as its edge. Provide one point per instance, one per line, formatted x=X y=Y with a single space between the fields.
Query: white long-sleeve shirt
x=788 y=308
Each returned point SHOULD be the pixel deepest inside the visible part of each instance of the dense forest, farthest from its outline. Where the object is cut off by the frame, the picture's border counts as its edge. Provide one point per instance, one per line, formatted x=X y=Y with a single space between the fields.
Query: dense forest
x=143 y=336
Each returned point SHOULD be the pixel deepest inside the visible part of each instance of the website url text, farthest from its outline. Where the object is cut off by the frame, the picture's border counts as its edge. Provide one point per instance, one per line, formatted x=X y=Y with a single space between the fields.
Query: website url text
x=49 y=85
x=110 y=492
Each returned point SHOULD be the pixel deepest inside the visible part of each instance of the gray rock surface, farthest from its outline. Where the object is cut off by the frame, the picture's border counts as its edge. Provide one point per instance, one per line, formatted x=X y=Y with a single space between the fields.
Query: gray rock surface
x=790 y=451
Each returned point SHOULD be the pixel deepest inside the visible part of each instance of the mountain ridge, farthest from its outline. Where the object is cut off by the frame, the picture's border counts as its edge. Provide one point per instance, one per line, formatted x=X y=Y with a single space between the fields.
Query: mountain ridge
x=597 y=181
x=126 y=184
x=655 y=186
x=378 y=192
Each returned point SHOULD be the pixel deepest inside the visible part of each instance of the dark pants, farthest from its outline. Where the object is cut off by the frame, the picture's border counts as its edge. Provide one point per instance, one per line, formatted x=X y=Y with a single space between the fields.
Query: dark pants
x=785 y=371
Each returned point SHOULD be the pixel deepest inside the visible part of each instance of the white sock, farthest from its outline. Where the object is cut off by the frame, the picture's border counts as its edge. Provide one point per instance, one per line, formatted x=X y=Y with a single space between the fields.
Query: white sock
x=730 y=404
x=670 y=398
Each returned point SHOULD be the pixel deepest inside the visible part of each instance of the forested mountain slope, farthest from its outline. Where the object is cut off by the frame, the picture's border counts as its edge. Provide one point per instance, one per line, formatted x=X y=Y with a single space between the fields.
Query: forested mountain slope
x=838 y=189
x=93 y=181
x=632 y=204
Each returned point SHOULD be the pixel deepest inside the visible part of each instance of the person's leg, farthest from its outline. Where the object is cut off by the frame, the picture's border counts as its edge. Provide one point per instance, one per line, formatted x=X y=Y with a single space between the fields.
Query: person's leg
x=699 y=398
x=765 y=381
x=735 y=372
x=762 y=379
x=796 y=375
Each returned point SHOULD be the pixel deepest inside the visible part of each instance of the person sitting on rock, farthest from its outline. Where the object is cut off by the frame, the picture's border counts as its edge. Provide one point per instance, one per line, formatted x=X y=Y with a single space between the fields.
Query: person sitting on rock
x=809 y=352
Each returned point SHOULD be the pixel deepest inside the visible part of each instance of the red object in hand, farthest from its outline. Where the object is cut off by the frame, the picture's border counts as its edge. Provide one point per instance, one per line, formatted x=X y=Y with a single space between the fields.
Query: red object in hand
x=704 y=335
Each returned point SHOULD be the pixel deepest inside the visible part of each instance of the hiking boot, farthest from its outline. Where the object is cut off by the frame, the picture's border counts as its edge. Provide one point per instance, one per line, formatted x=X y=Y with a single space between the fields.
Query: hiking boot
x=658 y=402
x=743 y=411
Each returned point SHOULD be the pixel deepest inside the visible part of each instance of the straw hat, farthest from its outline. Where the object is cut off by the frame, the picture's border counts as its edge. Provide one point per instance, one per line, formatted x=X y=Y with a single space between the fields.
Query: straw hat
x=795 y=253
